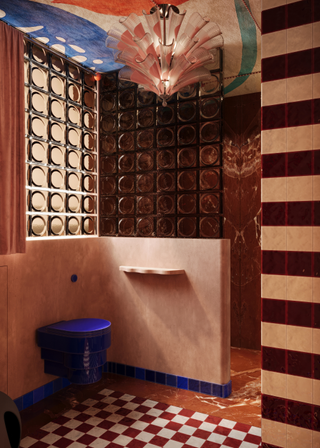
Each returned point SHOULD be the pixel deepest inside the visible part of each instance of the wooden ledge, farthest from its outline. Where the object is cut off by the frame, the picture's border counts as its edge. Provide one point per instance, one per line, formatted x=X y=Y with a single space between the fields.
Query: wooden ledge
x=159 y=271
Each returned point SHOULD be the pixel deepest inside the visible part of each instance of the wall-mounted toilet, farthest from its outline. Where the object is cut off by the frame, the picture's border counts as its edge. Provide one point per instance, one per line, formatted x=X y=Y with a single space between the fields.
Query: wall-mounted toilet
x=75 y=349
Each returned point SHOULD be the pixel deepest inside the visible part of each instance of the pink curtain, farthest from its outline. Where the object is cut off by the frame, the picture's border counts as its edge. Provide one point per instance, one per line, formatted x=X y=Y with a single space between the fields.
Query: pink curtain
x=12 y=145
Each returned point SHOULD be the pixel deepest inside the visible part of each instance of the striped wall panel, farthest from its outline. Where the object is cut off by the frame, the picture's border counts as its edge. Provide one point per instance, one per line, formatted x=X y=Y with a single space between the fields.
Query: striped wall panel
x=290 y=198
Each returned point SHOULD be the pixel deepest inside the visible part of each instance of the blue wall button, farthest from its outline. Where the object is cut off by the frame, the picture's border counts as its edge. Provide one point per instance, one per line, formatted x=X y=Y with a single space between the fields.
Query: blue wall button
x=74 y=278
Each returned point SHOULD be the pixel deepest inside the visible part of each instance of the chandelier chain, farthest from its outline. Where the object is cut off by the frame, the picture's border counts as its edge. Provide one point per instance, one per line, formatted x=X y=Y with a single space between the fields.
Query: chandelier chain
x=245 y=74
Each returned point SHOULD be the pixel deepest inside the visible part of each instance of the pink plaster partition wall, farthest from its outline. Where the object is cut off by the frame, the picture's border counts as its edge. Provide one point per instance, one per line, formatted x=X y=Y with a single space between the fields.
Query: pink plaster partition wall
x=40 y=292
x=3 y=329
x=177 y=324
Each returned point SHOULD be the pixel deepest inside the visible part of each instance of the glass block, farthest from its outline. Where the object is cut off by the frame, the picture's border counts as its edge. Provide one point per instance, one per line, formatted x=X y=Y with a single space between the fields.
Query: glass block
x=26 y=47
x=73 y=226
x=108 y=123
x=57 y=155
x=74 y=92
x=74 y=115
x=187 y=135
x=109 y=82
x=126 y=226
x=108 y=143
x=39 y=102
x=209 y=203
x=166 y=159
x=187 y=203
x=39 y=127
x=89 y=162
x=88 y=225
x=126 y=121
x=145 y=98
x=58 y=132
x=89 y=120
x=89 y=204
x=209 y=179
x=108 y=185
x=165 y=204
x=38 y=176
x=108 y=102
x=74 y=181
x=26 y=97
x=212 y=86
x=187 y=92
x=39 y=77
x=145 y=139
x=58 y=179
x=89 y=99
x=145 y=227
x=187 y=111
x=58 y=87
x=58 y=109
x=165 y=115
x=126 y=163
x=108 y=206
x=165 y=137
x=145 y=117
x=126 y=205
x=57 y=225
x=145 y=183
x=89 y=183
x=165 y=226
x=74 y=203
x=39 y=55
x=209 y=132
x=26 y=71
x=108 y=226
x=209 y=155
x=58 y=64
x=39 y=225
x=39 y=201
x=57 y=202
x=89 y=141
x=209 y=227
x=210 y=108
x=124 y=84
x=126 y=184
x=74 y=159
x=187 y=157
x=39 y=151
x=89 y=80
x=74 y=72
x=74 y=137
x=145 y=205
x=187 y=227
x=166 y=182
x=145 y=161
x=126 y=141
x=187 y=180
x=126 y=99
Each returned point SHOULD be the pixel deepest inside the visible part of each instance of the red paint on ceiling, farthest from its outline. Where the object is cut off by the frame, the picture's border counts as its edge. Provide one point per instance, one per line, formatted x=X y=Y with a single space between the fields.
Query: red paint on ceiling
x=116 y=7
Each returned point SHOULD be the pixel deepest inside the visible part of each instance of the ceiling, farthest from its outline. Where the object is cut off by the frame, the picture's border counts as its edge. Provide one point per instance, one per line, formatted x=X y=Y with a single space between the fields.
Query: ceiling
x=78 y=29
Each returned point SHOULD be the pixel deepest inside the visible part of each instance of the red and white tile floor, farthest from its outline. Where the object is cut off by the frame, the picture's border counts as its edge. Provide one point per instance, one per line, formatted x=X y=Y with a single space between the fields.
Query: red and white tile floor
x=116 y=420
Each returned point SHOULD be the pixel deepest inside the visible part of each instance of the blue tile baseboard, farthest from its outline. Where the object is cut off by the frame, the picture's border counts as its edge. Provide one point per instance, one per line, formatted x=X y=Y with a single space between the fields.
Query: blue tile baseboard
x=41 y=392
x=217 y=390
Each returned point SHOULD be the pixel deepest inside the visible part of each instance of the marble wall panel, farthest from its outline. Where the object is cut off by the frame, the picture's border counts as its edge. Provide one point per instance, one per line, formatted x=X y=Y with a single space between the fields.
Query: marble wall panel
x=242 y=210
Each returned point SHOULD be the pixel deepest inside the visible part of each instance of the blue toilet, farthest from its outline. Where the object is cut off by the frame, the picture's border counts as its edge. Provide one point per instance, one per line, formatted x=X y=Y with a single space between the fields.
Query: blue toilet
x=75 y=349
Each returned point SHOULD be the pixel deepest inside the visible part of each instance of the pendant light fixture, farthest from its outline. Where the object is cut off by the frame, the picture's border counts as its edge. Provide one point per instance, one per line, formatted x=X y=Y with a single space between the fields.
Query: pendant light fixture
x=157 y=56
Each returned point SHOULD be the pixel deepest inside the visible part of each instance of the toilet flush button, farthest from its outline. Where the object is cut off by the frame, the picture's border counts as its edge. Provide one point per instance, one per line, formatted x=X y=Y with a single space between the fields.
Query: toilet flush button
x=74 y=278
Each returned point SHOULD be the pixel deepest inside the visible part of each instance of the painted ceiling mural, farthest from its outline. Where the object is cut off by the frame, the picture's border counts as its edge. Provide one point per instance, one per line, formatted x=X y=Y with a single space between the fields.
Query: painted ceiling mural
x=78 y=29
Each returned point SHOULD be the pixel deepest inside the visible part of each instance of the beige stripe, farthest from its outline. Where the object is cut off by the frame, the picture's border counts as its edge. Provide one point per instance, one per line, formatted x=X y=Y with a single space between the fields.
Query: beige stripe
x=295 y=288
x=269 y=4
x=274 y=286
x=299 y=437
x=274 y=92
x=274 y=44
x=275 y=189
x=273 y=335
x=299 y=38
x=274 y=141
x=274 y=383
x=274 y=433
x=273 y=238
x=290 y=238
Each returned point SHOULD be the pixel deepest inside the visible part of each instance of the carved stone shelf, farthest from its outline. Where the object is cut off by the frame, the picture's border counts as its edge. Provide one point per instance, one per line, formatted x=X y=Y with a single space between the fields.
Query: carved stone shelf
x=141 y=270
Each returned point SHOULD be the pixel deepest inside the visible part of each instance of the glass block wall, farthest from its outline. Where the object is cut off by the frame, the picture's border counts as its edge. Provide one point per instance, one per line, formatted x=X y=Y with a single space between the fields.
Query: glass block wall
x=161 y=167
x=61 y=146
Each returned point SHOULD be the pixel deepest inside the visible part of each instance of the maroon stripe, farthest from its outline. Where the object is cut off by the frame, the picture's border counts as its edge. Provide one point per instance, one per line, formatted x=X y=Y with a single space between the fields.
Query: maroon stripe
x=273 y=408
x=273 y=359
x=298 y=63
x=289 y=16
x=298 y=113
x=300 y=213
x=306 y=264
x=316 y=367
x=300 y=314
x=299 y=363
x=298 y=163
x=274 y=311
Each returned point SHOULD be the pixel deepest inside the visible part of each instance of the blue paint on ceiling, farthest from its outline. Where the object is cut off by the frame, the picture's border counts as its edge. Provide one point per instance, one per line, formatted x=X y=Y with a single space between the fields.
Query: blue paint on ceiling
x=59 y=23
x=249 y=44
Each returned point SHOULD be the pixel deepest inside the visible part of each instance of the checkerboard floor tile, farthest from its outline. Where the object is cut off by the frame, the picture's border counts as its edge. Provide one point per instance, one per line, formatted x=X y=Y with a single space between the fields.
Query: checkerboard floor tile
x=116 y=420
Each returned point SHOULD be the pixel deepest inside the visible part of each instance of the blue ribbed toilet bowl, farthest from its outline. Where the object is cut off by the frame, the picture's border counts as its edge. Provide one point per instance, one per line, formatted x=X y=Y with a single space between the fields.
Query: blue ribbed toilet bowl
x=75 y=349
